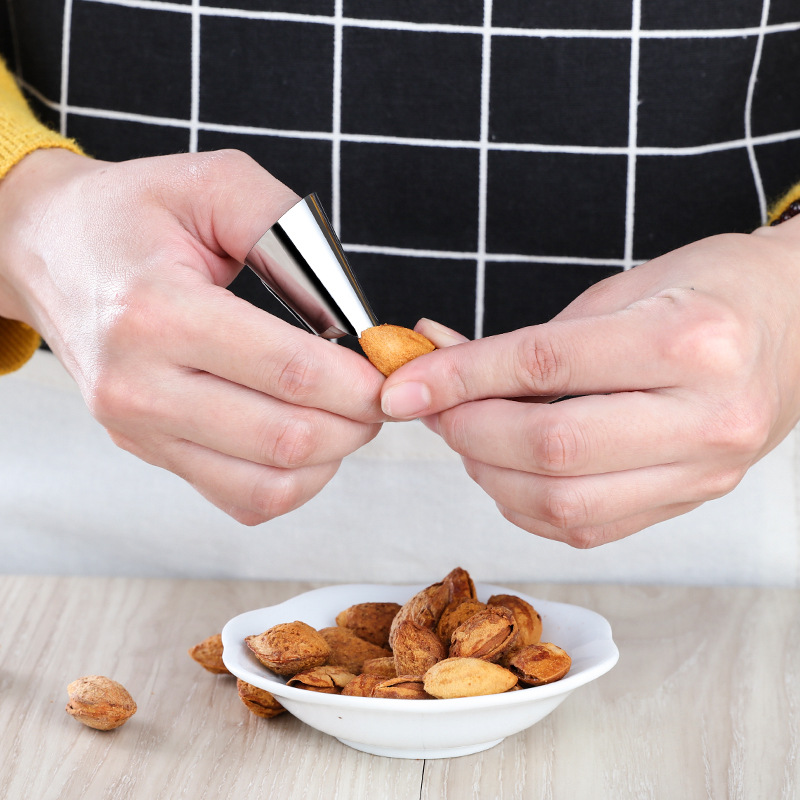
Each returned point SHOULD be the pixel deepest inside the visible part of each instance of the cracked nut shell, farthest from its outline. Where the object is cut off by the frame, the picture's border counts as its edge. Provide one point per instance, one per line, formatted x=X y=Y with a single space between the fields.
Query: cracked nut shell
x=404 y=687
x=362 y=685
x=454 y=614
x=380 y=666
x=258 y=701
x=538 y=664
x=529 y=623
x=327 y=679
x=485 y=634
x=460 y=584
x=208 y=654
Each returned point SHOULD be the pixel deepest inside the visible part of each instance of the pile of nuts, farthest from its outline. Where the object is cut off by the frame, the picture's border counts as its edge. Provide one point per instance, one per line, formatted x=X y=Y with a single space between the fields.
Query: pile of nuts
x=442 y=643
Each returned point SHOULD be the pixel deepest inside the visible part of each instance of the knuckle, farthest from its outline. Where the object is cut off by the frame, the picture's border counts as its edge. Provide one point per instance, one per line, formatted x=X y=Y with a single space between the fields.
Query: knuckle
x=558 y=447
x=473 y=468
x=539 y=364
x=141 y=317
x=585 y=538
x=276 y=495
x=455 y=430
x=113 y=398
x=205 y=168
x=581 y=538
x=233 y=156
x=748 y=435
x=563 y=507
x=246 y=517
x=454 y=378
x=713 y=339
x=124 y=442
x=742 y=430
x=292 y=443
x=722 y=482
x=293 y=376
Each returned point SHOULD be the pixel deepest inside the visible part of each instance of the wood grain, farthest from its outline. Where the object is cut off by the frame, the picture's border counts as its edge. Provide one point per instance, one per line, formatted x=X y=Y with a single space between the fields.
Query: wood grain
x=704 y=703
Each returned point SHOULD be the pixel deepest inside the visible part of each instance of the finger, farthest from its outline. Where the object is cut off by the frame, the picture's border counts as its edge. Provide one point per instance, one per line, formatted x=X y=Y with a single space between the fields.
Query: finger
x=200 y=326
x=250 y=493
x=595 y=535
x=591 y=434
x=439 y=334
x=643 y=346
x=241 y=422
x=225 y=198
x=577 y=503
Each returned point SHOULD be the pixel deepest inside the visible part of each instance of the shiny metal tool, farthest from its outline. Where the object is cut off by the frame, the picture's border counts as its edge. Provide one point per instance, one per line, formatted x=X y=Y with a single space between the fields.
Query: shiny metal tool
x=301 y=261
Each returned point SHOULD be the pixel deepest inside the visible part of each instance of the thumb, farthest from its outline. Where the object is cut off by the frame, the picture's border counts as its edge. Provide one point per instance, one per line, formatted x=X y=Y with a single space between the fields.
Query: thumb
x=622 y=351
x=224 y=198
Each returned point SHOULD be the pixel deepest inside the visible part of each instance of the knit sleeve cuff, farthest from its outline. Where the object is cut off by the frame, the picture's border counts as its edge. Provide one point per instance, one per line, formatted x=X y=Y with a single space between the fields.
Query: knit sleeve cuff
x=20 y=132
x=18 y=343
x=786 y=207
x=20 y=136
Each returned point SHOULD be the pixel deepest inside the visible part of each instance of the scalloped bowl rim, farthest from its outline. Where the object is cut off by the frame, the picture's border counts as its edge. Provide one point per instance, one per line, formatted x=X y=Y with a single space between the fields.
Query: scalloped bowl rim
x=243 y=664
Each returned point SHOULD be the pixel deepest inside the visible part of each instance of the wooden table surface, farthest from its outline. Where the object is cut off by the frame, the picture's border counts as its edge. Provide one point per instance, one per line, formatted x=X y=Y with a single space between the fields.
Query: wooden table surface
x=704 y=703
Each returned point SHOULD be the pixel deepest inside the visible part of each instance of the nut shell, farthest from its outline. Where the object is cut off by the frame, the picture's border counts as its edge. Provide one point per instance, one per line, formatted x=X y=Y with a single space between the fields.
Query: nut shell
x=454 y=614
x=467 y=677
x=380 y=666
x=485 y=634
x=369 y=621
x=416 y=649
x=208 y=654
x=404 y=687
x=289 y=648
x=362 y=685
x=258 y=701
x=327 y=679
x=350 y=651
x=388 y=347
x=529 y=623
x=460 y=584
x=99 y=702
x=538 y=664
x=424 y=608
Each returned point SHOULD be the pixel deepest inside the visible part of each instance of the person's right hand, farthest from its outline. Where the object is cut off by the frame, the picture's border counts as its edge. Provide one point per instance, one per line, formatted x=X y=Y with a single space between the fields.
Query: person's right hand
x=122 y=268
x=676 y=377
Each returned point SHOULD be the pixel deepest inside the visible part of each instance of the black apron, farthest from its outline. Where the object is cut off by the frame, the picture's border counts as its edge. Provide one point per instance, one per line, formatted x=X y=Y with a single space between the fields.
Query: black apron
x=484 y=163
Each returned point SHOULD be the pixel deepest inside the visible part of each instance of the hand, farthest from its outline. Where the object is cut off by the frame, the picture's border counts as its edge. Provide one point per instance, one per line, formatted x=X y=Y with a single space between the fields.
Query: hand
x=678 y=376
x=122 y=269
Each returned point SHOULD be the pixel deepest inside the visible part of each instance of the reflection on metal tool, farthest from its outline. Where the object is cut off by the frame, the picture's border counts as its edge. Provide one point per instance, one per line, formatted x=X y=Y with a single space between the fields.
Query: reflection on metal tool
x=301 y=261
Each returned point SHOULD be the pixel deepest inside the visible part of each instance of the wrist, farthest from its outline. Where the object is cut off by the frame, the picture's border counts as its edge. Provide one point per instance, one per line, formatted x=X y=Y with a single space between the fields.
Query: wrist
x=24 y=193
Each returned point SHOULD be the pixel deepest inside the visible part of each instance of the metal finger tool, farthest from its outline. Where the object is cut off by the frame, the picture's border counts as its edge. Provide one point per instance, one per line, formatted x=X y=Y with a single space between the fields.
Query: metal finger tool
x=301 y=261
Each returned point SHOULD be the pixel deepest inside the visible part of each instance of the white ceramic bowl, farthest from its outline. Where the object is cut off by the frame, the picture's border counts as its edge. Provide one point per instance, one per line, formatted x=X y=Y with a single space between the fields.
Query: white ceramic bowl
x=421 y=728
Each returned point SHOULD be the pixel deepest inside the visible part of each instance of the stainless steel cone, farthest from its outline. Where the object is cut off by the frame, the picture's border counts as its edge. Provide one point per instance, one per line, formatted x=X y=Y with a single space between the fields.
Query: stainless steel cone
x=301 y=261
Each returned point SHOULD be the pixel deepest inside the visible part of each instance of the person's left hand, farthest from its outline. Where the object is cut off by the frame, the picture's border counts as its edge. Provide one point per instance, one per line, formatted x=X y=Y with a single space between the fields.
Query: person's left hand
x=677 y=376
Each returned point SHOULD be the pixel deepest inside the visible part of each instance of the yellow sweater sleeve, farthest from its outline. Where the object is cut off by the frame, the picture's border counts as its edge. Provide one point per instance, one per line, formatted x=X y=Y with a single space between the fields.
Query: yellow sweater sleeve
x=786 y=207
x=20 y=133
